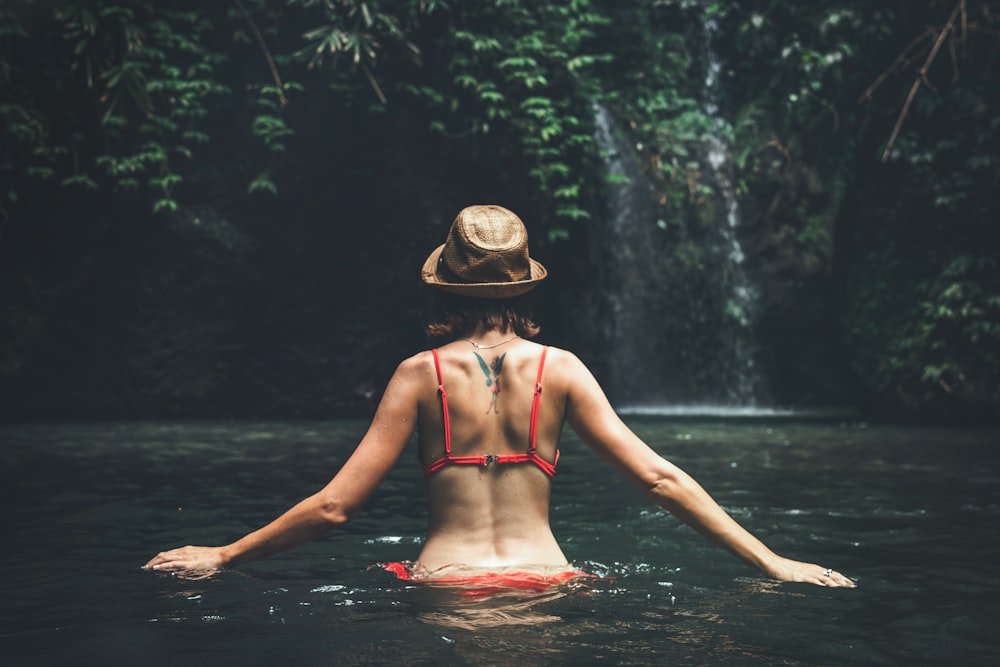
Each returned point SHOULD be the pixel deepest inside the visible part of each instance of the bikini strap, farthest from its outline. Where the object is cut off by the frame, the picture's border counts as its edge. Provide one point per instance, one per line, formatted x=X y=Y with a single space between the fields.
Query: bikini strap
x=535 y=401
x=444 y=404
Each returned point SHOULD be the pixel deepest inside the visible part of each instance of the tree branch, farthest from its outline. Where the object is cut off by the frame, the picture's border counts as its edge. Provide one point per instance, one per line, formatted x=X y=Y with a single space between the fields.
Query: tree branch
x=898 y=64
x=267 y=53
x=374 y=83
x=921 y=77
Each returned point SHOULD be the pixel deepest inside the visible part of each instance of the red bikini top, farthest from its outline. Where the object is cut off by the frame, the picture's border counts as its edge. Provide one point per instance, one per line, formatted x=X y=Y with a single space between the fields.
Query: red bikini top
x=531 y=456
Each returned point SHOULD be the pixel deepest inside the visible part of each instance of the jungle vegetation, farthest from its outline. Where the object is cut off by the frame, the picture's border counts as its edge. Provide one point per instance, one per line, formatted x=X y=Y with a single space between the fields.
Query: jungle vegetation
x=209 y=208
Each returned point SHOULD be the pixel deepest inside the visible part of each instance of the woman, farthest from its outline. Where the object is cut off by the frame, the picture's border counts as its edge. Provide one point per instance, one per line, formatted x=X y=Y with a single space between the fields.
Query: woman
x=489 y=406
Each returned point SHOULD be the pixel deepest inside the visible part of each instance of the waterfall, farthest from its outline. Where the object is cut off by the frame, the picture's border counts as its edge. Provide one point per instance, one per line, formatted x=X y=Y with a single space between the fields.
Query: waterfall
x=630 y=261
x=679 y=331
x=744 y=384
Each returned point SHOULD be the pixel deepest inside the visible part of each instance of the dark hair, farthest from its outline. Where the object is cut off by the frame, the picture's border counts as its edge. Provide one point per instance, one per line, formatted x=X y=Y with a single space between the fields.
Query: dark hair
x=454 y=316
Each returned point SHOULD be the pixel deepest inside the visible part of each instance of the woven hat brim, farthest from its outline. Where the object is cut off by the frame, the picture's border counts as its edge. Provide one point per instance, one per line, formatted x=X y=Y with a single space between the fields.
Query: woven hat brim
x=503 y=290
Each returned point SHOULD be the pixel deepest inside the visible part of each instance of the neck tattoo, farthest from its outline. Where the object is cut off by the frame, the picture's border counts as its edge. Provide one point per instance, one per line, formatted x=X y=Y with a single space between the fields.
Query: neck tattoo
x=480 y=346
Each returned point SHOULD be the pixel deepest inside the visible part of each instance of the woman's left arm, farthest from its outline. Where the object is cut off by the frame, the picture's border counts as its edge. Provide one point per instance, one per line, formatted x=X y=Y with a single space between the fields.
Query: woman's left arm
x=334 y=504
x=595 y=421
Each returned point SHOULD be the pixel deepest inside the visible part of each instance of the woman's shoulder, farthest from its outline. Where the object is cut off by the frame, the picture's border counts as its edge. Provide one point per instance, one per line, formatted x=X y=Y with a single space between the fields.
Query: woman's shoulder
x=563 y=368
x=415 y=368
x=560 y=357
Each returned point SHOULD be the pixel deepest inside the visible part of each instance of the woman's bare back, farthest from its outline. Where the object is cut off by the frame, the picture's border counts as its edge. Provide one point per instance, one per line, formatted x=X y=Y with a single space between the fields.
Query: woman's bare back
x=494 y=513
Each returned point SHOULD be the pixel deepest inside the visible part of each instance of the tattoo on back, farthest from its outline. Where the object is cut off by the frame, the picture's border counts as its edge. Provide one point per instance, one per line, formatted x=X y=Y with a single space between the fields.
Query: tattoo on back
x=492 y=373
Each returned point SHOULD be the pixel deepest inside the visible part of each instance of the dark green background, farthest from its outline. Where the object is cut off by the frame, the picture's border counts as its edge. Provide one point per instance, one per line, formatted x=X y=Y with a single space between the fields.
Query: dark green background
x=176 y=240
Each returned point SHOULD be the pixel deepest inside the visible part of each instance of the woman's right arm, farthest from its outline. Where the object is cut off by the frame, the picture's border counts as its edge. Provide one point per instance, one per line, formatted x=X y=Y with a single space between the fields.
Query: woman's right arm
x=595 y=421
x=334 y=504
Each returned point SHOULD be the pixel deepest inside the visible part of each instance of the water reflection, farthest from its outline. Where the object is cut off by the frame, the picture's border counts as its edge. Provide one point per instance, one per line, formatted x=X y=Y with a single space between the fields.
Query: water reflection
x=449 y=610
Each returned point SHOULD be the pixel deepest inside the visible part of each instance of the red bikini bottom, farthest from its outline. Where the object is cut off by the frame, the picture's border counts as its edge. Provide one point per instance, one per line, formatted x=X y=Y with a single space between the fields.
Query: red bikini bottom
x=488 y=583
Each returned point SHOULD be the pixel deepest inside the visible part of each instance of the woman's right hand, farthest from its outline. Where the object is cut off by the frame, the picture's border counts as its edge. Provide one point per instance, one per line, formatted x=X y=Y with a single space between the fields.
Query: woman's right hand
x=786 y=569
x=195 y=559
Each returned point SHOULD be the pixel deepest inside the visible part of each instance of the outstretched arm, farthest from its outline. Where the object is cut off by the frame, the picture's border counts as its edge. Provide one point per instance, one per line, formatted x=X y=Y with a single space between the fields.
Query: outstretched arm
x=333 y=505
x=592 y=417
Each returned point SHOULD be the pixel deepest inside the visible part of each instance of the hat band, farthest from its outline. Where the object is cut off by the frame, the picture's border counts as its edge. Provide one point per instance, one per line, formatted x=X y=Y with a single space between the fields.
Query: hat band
x=446 y=274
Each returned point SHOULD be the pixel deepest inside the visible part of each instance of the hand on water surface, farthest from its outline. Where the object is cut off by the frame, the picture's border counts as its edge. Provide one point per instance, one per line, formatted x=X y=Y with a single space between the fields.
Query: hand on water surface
x=198 y=559
x=792 y=570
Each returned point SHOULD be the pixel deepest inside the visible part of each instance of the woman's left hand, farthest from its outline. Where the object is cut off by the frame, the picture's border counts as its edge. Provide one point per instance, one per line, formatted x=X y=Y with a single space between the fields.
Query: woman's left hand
x=198 y=559
x=787 y=569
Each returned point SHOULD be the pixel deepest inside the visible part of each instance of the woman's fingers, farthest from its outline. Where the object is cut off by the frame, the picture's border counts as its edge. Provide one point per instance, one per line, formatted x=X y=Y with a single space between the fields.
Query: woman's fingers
x=816 y=574
x=185 y=558
x=810 y=573
x=834 y=579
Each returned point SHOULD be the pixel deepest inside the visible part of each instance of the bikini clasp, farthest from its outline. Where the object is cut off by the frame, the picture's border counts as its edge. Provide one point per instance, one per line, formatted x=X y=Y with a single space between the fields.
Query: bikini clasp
x=489 y=458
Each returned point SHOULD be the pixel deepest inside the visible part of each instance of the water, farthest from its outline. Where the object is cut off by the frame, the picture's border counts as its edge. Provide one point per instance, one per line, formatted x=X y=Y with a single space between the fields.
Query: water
x=911 y=513
x=743 y=382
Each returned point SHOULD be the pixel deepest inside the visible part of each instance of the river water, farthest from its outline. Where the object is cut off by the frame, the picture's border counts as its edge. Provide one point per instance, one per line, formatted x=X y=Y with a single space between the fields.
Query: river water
x=911 y=513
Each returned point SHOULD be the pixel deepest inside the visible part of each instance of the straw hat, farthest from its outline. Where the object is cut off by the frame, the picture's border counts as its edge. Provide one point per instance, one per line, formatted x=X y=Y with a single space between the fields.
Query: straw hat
x=485 y=255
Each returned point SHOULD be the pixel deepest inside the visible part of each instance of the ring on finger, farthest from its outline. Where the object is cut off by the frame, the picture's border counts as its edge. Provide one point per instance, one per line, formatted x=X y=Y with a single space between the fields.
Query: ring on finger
x=827 y=572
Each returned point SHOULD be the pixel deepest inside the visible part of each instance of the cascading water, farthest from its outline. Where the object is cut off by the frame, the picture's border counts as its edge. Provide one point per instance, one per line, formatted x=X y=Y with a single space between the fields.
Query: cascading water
x=630 y=261
x=744 y=383
x=679 y=329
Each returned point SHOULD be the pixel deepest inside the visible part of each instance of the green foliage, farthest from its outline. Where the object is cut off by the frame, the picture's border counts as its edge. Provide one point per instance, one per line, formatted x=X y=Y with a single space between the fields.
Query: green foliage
x=151 y=83
x=919 y=329
x=147 y=74
x=262 y=183
x=155 y=100
x=955 y=333
x=938 y=346
x=360 y=32
x=922 y=279
x=515 y=74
